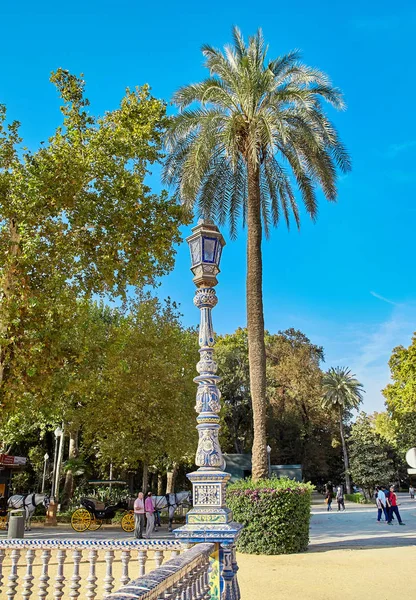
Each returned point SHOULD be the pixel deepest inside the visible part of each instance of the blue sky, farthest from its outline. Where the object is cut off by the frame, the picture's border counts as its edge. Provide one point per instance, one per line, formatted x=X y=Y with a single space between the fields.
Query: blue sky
x=348 y=280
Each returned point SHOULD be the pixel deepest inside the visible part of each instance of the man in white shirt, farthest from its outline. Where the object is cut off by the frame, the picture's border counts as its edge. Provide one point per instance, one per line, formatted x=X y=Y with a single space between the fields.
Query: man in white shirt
x=381 y=502
x=139 y=512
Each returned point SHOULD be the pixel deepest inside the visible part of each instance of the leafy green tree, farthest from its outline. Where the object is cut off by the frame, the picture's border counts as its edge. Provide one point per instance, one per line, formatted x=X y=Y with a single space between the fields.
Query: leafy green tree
x=370 y=464
x=401 y=394
x=342 y=392
x=76 y=219
x=145 y=407
x=231 y=354
x=300 y=430
x=231 y=148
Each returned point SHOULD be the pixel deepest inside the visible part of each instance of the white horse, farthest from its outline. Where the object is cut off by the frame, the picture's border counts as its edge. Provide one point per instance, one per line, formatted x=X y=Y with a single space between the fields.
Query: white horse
x=28 y=503
x=172 y=502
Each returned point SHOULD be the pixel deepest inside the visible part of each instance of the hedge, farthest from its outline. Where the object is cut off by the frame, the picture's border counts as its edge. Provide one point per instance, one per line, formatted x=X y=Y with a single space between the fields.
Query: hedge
x=357 y=497
x=275 y=514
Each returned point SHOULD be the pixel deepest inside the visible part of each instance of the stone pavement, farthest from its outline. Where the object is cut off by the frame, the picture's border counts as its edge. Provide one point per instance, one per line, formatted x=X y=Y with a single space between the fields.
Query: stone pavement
x=357 y=527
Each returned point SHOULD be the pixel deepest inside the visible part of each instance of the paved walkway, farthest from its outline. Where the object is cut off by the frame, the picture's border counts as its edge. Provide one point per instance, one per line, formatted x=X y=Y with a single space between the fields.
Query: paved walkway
x=357 y=527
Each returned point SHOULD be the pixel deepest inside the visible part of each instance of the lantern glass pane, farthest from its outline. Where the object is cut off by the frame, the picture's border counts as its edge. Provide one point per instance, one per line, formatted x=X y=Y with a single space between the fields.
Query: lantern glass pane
x=195 y=248
x=209 y=247
x=218 y=258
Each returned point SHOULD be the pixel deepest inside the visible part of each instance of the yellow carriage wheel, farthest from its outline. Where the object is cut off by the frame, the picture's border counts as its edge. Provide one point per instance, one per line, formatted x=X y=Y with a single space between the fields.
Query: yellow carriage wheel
x=95 y=524
x=80 y=520
x=3 y=522
x=127 y=522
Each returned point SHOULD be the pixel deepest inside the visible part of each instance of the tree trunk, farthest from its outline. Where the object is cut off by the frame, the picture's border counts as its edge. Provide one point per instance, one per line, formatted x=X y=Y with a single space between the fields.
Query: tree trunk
x=345 y=454
x=255 y=324
x=145 y=480
x=159 y=484
x=170 y=479
x=73 y=452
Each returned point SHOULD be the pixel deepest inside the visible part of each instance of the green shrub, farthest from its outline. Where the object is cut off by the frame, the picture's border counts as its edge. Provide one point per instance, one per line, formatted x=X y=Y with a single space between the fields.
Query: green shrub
x=275 y=514
x=358 y=498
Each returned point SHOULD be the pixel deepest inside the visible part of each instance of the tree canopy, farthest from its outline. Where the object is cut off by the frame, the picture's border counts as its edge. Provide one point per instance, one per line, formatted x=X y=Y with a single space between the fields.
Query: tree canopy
x=401 y=395
x=77 y=219
x=299 y=429
x=370 y=463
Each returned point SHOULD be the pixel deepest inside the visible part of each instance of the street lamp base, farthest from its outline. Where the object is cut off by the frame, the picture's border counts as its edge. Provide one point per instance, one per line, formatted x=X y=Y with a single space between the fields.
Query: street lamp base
x=50 y=520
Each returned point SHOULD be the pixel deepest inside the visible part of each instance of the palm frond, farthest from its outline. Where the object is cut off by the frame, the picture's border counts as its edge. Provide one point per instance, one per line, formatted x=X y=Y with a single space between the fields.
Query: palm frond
x=268 y=112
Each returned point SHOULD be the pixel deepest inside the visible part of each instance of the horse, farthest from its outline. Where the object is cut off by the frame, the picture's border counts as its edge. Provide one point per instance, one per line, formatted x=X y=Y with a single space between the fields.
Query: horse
x=172 y=502
x=28 y=503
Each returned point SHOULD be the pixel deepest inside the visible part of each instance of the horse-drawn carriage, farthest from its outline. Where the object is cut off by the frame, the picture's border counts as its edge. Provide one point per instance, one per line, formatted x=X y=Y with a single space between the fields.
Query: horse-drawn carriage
x=93 y=513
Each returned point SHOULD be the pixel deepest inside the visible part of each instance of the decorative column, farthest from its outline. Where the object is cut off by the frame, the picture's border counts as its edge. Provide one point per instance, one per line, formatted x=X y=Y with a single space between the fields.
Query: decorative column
x=209 y=519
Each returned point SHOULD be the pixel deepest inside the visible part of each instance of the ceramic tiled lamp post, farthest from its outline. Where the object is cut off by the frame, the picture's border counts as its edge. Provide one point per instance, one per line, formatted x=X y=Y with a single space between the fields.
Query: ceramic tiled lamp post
x=210 y=519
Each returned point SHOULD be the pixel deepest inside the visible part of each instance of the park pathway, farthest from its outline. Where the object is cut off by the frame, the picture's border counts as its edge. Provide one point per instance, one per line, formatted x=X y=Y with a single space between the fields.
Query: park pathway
x=357 y=527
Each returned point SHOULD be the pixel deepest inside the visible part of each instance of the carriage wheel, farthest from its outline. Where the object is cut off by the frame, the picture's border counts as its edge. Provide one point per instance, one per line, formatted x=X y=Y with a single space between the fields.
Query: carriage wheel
x=127 y=522
x=3 y=522
x=80 y=520
x=95 y=524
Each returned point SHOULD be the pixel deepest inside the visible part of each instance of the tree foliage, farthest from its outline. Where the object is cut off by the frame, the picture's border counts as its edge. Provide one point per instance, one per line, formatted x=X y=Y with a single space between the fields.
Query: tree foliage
x=260 y=110
x=76 y=219
x=370 y=463
x=143 y=408
x=401 y=395
x=299 y=429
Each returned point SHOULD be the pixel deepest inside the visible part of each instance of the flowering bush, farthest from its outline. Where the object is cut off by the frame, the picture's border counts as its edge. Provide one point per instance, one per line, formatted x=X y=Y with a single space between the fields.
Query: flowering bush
x=275 y=514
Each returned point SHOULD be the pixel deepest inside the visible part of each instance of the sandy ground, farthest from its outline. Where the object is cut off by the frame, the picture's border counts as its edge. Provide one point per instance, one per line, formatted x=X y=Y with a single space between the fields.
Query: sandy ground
x=373 y=574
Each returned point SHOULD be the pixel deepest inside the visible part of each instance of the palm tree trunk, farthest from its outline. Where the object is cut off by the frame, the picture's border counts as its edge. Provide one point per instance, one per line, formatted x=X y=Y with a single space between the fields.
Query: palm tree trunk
x=345 y=454
x=159 y=484
x=145 y=479
x=255 y=323
x=171 y=478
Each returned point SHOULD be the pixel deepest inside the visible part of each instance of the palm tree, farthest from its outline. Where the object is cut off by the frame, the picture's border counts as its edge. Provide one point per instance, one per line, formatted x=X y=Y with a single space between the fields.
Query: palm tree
x=342 y=393
x=230 y=150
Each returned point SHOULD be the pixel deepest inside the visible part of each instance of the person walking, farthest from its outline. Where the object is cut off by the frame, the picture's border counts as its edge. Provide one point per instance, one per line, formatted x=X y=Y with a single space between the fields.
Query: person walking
x=340 y=498
x=139 y=516
x=381 y=504
x=150 y=515
x=412 y=492
x=394 y=509
x=328 y=500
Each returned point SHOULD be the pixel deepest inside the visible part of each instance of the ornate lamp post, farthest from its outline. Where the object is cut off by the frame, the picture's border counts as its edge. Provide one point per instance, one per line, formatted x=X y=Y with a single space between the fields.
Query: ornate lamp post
x=210 y=519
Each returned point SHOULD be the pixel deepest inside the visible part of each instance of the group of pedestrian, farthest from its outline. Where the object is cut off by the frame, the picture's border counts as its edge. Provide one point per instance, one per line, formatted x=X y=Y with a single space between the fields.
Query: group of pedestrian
x=144 y=515
x=339 y=496
x=386 y=500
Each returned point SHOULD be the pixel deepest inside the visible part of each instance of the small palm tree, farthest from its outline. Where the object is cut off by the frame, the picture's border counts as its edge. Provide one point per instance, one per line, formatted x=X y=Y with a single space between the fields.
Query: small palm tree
x=230 y=150
x=342 y=393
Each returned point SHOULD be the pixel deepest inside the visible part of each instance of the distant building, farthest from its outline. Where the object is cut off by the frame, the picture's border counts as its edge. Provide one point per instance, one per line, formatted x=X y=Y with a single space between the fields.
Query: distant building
x=239 y=467
x=8 y=466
